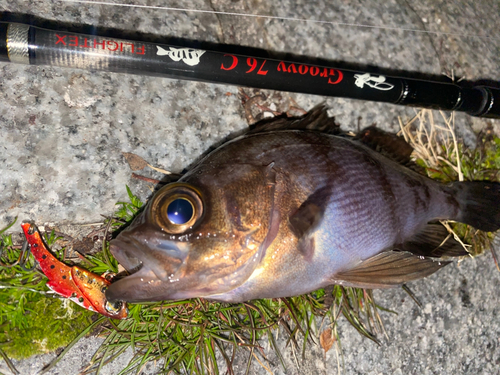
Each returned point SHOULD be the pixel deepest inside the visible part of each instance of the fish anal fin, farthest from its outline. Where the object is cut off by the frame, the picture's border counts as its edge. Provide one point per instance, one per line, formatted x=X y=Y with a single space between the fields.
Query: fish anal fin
x=433 y=240
x=388 y=269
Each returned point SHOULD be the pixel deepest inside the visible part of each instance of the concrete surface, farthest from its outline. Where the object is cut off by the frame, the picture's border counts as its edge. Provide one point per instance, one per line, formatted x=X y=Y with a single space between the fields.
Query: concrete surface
x=63 y=133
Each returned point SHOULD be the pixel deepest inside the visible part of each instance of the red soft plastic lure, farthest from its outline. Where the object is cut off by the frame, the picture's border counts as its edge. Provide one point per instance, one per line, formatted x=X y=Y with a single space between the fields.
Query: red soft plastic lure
x=81 y=286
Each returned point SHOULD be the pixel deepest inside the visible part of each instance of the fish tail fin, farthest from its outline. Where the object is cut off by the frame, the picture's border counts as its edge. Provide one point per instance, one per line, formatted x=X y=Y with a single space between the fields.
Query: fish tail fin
x=479 y=204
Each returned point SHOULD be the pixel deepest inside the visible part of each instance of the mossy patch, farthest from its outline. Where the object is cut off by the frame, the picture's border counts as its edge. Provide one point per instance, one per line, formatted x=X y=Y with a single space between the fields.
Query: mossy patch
x=33 y=321
x=50 y=324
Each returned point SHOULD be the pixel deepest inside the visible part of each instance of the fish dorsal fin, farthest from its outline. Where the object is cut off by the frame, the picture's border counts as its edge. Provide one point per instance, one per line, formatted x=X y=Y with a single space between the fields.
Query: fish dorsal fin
x=388 y=144
x=388 y=269
x=433 y=241
x=316 y=119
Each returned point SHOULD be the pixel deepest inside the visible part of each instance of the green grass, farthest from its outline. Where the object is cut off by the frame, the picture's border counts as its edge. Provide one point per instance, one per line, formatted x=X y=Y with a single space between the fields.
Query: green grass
x=128 y=210
x=188 y=334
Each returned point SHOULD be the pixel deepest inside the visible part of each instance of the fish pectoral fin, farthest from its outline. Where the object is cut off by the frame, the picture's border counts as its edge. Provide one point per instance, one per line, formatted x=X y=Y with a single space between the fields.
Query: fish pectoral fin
x=388 y=269
x=310 y=213
x=305 y=219
x=433 y=240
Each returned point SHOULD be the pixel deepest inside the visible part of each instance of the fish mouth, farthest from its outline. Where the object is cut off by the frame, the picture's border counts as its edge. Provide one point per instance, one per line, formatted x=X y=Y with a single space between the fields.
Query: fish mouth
x=163 y=257
x=126 y=255
x=150 y=264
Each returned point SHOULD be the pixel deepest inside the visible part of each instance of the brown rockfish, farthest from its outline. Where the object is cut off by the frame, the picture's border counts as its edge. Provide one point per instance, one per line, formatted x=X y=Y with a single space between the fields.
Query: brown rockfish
x=289 y=208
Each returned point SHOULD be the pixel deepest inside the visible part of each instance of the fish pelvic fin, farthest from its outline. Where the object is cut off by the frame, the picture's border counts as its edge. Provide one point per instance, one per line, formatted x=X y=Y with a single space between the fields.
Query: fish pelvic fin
x=479 y=203
x=388 y=269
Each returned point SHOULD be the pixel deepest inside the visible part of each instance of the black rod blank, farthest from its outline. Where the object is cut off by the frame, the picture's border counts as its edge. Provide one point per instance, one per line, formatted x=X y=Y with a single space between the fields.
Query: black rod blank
x=20 y=43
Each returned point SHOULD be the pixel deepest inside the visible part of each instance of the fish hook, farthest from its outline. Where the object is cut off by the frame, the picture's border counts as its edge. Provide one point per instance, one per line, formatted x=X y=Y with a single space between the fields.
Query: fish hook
x=21 y=261
x=24 y=256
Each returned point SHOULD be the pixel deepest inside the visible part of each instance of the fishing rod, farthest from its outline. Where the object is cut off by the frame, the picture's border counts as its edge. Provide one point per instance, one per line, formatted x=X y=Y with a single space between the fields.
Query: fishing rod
x=26 y=44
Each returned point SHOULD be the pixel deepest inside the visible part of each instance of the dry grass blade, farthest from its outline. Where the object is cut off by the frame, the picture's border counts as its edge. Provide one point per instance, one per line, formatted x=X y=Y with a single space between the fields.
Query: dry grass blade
x=9 y=363
x=438 y=151
x=135 y=162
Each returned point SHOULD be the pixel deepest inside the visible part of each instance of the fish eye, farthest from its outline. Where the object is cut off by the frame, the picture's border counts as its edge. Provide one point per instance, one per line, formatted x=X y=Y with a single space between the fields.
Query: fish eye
x=177 y=207
x=180 y=211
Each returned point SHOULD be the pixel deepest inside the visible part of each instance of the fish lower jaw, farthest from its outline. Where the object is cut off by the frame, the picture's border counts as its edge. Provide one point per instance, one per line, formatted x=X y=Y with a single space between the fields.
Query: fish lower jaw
x=131 y=263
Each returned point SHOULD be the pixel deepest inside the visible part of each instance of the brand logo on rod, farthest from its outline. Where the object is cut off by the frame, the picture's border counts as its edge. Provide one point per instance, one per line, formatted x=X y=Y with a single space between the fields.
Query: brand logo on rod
x=188 y=56
x=99 y=44
x=373 y=82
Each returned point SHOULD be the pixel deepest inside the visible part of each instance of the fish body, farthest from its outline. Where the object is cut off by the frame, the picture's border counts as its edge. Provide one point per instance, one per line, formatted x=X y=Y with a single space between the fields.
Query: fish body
x=283 y=211
x=79 y=285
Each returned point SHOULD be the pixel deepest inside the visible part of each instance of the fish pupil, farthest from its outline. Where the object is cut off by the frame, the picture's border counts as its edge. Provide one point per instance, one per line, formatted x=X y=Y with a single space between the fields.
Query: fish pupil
x=180 y=211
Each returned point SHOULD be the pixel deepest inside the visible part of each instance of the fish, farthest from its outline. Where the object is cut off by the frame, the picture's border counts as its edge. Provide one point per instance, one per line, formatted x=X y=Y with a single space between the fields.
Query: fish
x=76 y=283
x=292 y=206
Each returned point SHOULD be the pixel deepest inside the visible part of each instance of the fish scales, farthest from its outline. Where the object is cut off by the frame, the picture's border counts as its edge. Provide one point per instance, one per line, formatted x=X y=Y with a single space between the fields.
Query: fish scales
x=284 y=212
x=350 y=230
